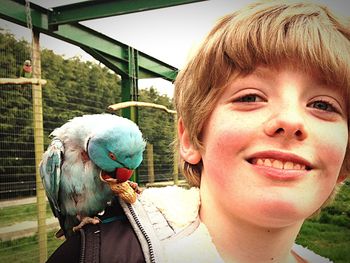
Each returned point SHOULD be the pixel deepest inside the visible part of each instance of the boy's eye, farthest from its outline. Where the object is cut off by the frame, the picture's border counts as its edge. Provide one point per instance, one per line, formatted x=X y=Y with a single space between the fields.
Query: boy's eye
x=323 y=105
x=249 y=98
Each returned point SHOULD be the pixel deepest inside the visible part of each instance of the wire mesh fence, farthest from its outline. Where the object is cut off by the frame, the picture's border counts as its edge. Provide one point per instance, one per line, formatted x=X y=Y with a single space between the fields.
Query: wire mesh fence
x=17 y=161
x=73 y=88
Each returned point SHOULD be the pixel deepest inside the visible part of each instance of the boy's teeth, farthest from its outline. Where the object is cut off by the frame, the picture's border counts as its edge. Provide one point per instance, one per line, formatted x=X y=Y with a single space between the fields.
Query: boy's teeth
x=267 y=162
x=289 y=165
x=278 y=164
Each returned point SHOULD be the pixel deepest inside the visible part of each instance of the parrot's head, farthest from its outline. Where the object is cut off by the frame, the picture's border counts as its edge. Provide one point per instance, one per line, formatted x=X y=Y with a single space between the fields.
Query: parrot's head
x=27 y=63
x=117 y=150
x=27 y=66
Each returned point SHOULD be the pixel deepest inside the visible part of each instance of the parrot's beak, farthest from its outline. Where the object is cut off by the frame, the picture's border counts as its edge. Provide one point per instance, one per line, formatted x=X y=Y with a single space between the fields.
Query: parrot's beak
x=119 y=175
x=107 y=177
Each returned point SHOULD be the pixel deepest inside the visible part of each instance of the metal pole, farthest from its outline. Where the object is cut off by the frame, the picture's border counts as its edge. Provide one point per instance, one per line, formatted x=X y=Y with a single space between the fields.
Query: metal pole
x=176 y=154
x=150 y=163
x=39 y=148
x=133 y=88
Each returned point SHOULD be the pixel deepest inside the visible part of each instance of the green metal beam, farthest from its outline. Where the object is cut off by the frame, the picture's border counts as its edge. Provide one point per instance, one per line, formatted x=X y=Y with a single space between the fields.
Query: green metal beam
x=83 y=36
x=89 y=40
x=14 y=11
x=147 y=69
x=98 y=9
x=109 y=61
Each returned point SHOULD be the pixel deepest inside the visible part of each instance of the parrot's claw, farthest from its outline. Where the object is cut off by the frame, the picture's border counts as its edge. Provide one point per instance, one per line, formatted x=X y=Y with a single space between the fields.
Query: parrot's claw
x=85 y=221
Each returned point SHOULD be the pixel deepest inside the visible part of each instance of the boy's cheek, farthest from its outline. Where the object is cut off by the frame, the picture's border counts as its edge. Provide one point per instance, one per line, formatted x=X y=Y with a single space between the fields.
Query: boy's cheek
x=332 y=148
x=231 y=140
x=331 y=158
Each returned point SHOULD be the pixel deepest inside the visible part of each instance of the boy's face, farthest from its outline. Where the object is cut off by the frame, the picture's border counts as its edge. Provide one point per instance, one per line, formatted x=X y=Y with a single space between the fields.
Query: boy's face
x=274 y=146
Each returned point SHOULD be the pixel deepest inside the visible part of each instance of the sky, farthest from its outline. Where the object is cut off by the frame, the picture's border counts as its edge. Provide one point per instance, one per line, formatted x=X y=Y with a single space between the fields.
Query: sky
x=168 y=34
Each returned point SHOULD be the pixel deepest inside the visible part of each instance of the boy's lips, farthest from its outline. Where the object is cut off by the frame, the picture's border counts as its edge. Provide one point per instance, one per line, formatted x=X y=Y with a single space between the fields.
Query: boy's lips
x=280 y=165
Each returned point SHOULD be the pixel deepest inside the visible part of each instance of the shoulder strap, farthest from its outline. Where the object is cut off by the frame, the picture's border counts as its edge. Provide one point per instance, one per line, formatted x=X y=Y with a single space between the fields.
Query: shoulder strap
x=90 y=244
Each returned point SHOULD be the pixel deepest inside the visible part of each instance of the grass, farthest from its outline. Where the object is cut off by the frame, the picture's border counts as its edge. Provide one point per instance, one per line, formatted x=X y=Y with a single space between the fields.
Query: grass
x=19 y=213
x=26 y=250
x=330 y=241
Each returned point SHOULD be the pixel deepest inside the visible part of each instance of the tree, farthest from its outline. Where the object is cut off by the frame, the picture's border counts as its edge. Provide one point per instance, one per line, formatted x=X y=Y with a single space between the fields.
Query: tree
x=158 y=129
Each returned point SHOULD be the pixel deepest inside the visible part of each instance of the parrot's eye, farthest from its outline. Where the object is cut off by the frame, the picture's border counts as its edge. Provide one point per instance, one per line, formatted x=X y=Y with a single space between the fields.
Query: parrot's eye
x=112 y=156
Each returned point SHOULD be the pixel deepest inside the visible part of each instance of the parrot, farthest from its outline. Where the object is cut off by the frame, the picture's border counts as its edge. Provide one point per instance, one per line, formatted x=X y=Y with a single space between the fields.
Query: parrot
x=26 y=70
x=83 y=155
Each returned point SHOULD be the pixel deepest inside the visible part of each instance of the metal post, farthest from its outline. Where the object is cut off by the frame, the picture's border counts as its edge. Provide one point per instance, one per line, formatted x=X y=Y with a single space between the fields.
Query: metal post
x=125 y=95
x=130 y=92
x=39 y=147
x=134 y=87
x=175 y=155
x=150 y=163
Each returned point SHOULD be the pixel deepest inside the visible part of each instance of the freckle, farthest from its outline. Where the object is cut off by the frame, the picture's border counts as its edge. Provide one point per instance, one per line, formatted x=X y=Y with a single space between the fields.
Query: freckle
x=271 y=258
x=268 y=231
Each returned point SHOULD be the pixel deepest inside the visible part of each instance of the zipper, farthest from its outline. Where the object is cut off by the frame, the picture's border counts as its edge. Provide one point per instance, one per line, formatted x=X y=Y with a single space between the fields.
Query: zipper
x=144 y=233
x=82 y=246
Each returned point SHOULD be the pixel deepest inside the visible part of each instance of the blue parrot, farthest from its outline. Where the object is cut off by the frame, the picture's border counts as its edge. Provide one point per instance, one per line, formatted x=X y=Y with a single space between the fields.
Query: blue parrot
x=82 y=152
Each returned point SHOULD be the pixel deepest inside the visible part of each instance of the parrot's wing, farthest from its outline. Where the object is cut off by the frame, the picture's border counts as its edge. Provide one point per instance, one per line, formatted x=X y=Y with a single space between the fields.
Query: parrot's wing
x=50 y=172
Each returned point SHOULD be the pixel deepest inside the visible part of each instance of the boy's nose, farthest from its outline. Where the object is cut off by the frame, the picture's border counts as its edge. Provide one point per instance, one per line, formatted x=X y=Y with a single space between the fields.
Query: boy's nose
x=288 y=124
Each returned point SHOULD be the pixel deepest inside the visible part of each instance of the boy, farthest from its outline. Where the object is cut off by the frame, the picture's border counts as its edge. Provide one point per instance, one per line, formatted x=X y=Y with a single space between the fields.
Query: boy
x=263 y=125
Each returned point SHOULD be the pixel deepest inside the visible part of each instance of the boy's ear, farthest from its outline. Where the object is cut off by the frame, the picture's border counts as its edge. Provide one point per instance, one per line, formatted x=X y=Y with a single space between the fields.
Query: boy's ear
x=187 y=151
x=341 y=178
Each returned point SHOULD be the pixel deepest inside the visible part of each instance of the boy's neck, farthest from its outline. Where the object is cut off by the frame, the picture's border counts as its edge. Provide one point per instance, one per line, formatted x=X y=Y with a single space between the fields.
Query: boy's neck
x=240 y=241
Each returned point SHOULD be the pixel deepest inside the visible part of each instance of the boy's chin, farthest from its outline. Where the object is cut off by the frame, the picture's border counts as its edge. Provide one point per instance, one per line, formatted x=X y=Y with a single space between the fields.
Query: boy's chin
x=282 y=212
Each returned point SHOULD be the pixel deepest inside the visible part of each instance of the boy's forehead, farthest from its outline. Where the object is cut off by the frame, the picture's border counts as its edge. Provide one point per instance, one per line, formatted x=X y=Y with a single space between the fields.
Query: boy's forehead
x=269 y=72
x=264 y=72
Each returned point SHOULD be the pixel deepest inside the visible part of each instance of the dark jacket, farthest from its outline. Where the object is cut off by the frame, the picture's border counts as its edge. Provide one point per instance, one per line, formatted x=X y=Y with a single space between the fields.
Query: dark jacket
x=113 y=240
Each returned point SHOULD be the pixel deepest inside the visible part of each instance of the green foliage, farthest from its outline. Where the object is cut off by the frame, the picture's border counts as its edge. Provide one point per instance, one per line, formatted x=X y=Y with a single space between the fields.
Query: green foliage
x=158 y=129
x=330 y=241
x=328 y=234
x=13 y=53
x=338 y=211
x=16 y=166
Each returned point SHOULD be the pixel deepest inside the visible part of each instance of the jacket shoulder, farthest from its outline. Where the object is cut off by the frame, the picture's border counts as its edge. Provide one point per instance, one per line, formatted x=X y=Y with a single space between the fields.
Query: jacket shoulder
x=179 y=206
x=309 y=255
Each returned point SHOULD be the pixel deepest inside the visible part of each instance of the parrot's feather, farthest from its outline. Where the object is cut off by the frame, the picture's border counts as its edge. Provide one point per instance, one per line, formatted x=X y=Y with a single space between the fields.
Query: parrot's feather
x=50 y=172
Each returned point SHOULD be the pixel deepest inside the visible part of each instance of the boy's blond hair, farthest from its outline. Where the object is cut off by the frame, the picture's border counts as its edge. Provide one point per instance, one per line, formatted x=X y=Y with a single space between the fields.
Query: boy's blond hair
x=271 y=33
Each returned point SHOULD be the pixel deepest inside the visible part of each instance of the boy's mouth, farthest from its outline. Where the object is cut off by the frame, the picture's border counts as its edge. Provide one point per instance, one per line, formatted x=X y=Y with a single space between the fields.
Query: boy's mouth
x=279 y=164
x=280 y=160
